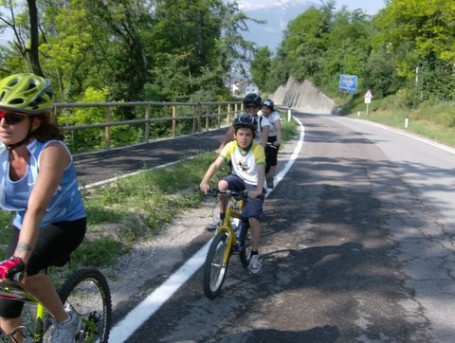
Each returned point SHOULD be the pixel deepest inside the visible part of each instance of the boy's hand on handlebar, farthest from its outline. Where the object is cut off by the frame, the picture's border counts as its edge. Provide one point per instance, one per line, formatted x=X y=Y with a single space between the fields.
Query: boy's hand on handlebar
x=204 y=187
x=13 y=269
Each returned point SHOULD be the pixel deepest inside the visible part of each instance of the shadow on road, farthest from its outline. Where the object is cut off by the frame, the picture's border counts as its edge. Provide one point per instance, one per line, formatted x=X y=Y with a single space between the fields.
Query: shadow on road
x=325 y=334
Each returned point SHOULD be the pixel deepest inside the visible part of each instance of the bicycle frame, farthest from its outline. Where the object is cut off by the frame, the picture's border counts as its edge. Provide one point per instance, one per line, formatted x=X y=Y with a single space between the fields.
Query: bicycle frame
x=12 y=291
x=221 y=247
x=233 y=211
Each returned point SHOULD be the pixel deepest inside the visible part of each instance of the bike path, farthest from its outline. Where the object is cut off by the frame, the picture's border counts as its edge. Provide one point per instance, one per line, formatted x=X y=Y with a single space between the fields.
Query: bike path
x=332 y=262
x=102 y=165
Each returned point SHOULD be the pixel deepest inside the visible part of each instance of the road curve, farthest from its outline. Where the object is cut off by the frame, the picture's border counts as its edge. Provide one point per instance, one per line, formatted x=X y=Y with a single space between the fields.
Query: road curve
x=356 y=248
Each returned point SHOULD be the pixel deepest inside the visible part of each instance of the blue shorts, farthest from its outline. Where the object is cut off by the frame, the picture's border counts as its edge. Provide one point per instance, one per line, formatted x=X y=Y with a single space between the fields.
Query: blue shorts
x=253 y=207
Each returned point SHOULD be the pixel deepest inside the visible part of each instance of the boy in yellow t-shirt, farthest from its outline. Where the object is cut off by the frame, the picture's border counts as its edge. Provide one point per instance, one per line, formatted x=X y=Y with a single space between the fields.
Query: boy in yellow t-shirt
x=248 y=173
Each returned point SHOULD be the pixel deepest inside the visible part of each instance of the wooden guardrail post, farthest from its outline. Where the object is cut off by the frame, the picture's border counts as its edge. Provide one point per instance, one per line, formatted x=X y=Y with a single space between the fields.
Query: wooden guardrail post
x=218 y=117
x=197 y=117
x=228 y=116
x=147 y=124
x=174 y=121
x=207 y=119
x=107 y=129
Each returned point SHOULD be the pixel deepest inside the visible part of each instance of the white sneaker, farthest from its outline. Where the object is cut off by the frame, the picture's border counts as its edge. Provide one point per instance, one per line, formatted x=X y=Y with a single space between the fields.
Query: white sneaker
x=66 y=332
x=255 y=266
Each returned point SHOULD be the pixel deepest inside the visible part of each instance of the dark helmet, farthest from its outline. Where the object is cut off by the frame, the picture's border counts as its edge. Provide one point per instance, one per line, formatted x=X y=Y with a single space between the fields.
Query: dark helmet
x=269 y=103
x=245 y=120
x=252 y=99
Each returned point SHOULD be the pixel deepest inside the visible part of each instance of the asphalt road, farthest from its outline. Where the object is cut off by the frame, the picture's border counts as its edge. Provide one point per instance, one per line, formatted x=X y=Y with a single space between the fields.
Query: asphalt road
x=99 y=166
x=357 y=246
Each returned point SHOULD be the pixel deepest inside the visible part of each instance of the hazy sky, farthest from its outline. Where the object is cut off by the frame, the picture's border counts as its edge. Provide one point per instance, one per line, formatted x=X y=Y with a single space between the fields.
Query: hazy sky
x=369 y=6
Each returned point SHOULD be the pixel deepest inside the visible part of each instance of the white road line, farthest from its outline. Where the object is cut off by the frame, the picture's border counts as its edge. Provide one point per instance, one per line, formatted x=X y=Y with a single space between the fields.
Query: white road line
x=407 y=134
x=134 y=319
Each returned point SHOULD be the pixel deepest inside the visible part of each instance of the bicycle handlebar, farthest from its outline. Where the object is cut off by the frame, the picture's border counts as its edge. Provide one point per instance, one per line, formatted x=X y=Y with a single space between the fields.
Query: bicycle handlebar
x=237 y=195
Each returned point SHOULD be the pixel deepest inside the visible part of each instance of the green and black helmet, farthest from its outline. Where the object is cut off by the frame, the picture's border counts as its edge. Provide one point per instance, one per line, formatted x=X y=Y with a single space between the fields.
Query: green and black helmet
x=27 y=93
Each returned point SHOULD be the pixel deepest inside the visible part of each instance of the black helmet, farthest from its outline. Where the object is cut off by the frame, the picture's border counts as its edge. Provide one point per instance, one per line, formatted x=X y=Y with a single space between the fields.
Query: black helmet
x=269 y=103
x=245 y=120
x=252 y=99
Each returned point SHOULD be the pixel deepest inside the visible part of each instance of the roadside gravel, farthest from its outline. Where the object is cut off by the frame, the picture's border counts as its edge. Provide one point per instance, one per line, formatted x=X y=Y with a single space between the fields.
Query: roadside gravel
x=152 y=261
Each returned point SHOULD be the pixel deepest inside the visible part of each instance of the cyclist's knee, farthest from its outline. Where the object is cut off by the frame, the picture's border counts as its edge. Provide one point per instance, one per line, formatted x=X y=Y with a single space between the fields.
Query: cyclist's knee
x=223 y=185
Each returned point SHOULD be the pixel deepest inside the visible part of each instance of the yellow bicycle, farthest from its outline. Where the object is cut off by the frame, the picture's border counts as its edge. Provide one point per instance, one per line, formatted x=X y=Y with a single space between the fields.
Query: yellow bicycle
x=232 y=236
x=85 y=291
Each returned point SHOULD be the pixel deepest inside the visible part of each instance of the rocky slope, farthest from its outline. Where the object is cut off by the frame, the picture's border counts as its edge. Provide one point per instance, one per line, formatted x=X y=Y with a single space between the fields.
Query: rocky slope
x=304 y=96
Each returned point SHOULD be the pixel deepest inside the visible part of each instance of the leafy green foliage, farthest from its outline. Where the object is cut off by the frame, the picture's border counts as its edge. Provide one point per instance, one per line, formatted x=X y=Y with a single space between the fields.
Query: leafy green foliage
x=141 y=50
x=408 y=45
x=260 y=68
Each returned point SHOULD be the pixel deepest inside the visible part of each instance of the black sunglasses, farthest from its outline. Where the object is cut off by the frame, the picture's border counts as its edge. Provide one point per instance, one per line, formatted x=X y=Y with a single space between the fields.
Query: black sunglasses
x=249 y=107
x=12 y=118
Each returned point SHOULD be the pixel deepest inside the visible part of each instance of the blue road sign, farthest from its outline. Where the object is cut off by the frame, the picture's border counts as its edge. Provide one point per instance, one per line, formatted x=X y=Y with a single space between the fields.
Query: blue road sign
x=348 y=83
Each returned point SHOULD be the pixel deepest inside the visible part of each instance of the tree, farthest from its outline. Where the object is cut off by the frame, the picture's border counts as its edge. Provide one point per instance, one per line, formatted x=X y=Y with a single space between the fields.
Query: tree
x=139 y=50
x=422 y=36
x=29 y=50
x=260 y=68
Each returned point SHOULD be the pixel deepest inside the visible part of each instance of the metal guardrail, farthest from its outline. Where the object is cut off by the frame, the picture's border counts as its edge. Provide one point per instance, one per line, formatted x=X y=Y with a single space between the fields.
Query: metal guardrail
x=201 y=114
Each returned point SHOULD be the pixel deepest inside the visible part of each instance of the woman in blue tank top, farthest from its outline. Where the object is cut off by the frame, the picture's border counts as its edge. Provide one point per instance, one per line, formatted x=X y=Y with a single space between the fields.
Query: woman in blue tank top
x=38 y=182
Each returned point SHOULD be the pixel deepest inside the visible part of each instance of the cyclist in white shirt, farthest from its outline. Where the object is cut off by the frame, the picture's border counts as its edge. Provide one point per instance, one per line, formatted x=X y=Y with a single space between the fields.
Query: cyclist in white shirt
x=273 y=141
x=251 y=104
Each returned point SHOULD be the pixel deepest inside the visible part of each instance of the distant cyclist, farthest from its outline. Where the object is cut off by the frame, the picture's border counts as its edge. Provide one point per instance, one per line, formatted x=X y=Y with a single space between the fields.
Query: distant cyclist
x=252 y=103
x=38 y=182
x=248 y=173
x=273 y=141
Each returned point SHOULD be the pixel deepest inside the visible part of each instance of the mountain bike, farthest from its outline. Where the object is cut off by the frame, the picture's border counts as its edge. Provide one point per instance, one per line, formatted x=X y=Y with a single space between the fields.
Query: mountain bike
x=85 y=291
x=232 y=236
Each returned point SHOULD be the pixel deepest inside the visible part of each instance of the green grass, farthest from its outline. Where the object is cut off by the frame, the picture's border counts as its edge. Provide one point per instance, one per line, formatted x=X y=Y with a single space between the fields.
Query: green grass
x=139 y=207
x=434 y=120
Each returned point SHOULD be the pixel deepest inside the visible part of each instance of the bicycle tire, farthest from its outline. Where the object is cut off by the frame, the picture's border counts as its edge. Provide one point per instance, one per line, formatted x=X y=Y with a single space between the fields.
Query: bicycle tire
x=87 y=292
x=245 y=247
x=215 y=268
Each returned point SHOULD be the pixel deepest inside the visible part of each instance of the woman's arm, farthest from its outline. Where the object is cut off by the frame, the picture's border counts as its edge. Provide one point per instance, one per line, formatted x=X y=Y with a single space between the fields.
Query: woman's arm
x=54 y=159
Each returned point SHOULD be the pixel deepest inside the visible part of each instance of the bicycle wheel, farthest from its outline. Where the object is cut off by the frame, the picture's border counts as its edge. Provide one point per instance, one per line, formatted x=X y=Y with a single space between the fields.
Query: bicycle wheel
x=87 y=293
x=215 y=267
x=245 y=246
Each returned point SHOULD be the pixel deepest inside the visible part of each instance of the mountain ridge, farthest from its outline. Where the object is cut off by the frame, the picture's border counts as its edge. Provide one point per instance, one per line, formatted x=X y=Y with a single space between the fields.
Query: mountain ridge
x=278 y=15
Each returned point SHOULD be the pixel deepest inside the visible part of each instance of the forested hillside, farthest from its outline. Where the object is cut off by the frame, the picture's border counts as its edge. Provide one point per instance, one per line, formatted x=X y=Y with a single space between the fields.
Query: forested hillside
x=126 y=50
x=409 y=46
x=405 y=54
x=183 y=50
